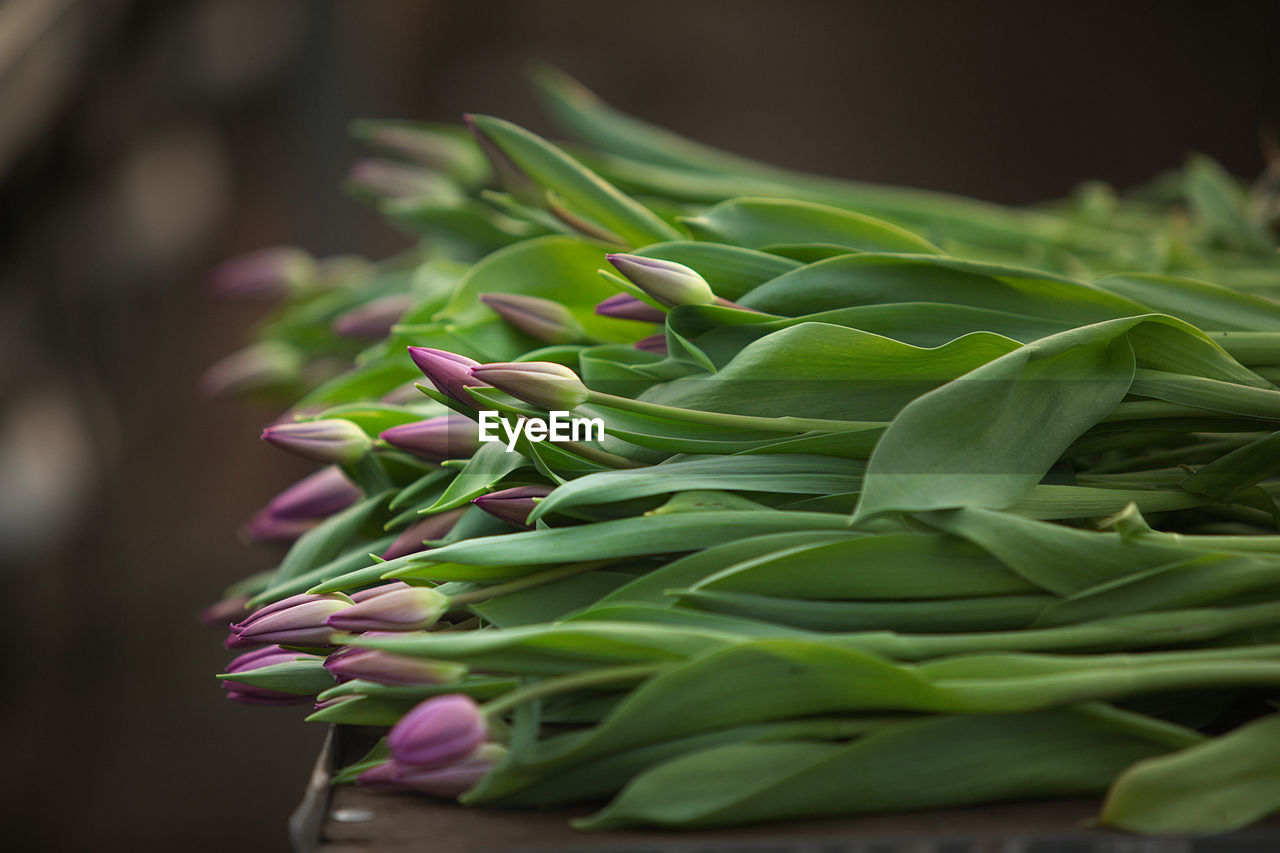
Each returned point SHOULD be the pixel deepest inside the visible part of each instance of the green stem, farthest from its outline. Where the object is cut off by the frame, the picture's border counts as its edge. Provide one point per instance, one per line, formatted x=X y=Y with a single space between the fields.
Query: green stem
x=563 y=684
x=529 y=581
x=593 y=454
x=722 y=419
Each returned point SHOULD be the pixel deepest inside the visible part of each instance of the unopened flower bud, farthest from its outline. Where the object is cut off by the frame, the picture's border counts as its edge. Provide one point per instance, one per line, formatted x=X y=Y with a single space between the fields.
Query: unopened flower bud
x=512 y=505
x=264 y=365
x=375 y=591
x=653 y=343
x=439 y=731
x=409 y=609
x=387 y=668
x=265 y=527
x=624 y=306
x=448 y=782
x=387 y=179
x=666 y=281
x=299 y=620
x=440 y=438
x=333 y=441
x=415 y=536
x=315 y=496
x=541 y=319
x=544 y=384
x=373 y=320
x=265 y=274
x=449 y=372
x=249 y=694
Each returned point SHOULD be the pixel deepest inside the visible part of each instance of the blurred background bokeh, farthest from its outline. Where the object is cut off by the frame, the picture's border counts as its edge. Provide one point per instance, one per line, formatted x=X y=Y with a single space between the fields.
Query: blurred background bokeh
x=143 y=140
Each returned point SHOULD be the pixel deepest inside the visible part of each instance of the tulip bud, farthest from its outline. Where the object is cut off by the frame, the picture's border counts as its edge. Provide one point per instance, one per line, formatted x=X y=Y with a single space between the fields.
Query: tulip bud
x=624 y=306
x=259 y=366
x=543 y=383
x=224 y=612
x=299 y=620
x=409 y=609
x=541 y=319
x=373 y=320
x=440 y=438
x=315 y=496
x=333 y=440
x=265 y=527
x=415 y=536
x=375 y=591
x=666 y=281
x=449 y=782
x=386 y=179
x=265 y=274
x=653 y=343
x=388 y=668
x=512 y=505
x=249 y=694
x=439 y=731
x=449 y=372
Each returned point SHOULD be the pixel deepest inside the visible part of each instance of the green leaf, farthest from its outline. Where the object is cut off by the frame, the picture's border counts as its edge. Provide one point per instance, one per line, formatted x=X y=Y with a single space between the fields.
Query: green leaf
x=1220 y=785
x=790 y=474
x=554 y=170
x=759 y=223
x=933 y=763
x=303 y=677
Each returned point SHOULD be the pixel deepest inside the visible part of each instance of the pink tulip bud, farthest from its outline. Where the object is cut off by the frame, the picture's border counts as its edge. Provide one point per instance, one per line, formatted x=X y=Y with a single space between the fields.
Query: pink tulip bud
x=666 y=281
x=448 y=372
x=373 y=320
x=388 y=668
x=439 y=438
x=248 y=694
x=541 y=319
x=333 y=441
x=439 y=731
x=315 y=496
x=299 y=620
x=415 y=536
x=411 y=609
x=512 y=505
x=264 y=274
x=544 y=384
x=624 y=306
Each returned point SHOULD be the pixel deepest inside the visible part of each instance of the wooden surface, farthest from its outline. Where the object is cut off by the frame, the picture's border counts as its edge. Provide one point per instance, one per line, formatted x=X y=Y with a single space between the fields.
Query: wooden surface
x=356 y=820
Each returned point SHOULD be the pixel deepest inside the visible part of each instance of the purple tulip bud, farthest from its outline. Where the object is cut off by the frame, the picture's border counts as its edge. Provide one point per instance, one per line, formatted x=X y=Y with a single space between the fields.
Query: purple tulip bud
x=403 y=394
x=264 y=274
x=249 y=694
x=373 y=320
x=296 y=621
x=439 y=731
x=624 y=306
x=440 y=438
x=315 y=496
x=421 y=145
x=543 y=383
x=653 y=343
x=399 y=610
x=449 y=782
x=449 y=372
x=666 y=281
x=235 y=641
x=415 y=536
x=386 y=179
x=511 y=177
x=512 y=505
x=388 y=668
x=333 y=440
x=265 y=527
x=375 y=591
x=262 y=365
x=541 y=319
x=224 y=612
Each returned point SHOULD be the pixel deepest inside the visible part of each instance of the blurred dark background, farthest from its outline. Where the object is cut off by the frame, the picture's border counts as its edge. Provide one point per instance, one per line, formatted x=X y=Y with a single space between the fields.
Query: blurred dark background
x=143 y=140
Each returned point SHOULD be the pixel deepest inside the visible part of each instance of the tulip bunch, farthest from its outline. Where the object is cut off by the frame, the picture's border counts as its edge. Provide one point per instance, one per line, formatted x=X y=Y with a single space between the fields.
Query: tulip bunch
x=902 y=501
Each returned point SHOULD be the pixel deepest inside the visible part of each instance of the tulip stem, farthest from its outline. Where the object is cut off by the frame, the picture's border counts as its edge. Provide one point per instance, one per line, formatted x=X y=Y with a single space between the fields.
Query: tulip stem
x=528 y=581
x=724 y=419
x=593 y=454
x=565 y=683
